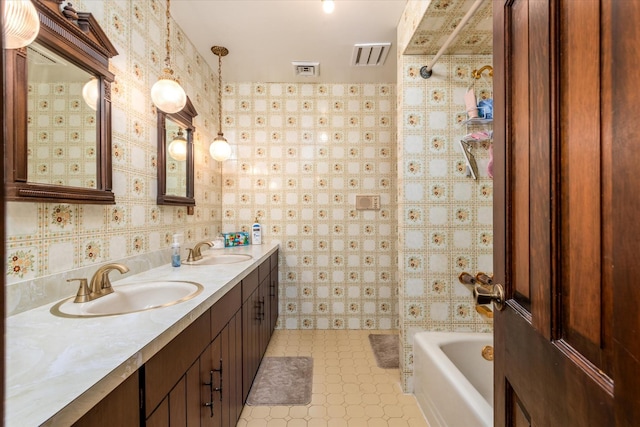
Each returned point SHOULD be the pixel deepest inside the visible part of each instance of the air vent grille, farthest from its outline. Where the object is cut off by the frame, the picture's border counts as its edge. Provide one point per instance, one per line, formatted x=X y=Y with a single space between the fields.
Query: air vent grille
x=306 y=69
x=370 y=54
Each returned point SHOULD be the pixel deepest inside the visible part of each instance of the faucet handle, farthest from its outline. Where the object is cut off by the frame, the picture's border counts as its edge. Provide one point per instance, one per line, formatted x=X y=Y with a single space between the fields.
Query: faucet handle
x=84 y=294
x=190 y=256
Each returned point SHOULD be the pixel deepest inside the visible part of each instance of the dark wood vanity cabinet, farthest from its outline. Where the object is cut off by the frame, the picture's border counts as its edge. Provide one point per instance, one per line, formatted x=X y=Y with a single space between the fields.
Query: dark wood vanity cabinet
x=203 y=376
x=120 y=408
x=259 y=314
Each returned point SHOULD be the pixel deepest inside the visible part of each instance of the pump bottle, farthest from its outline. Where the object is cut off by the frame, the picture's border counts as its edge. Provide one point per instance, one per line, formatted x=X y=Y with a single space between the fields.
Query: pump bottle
x=256 y=233
x=175 y=251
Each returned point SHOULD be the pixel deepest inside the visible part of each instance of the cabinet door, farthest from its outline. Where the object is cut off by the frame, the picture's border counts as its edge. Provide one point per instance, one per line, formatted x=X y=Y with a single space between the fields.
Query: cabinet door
x=250 y=341
x=210 y=384
x=273 y=294
x=120 y=408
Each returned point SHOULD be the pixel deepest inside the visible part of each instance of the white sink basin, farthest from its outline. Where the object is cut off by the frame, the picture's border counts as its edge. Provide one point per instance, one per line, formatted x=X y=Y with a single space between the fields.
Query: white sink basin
x=220 y=259
x=130 y=299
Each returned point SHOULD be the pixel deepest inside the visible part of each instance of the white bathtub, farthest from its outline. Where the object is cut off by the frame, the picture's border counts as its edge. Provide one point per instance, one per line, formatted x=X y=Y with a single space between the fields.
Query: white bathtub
x=453 y=383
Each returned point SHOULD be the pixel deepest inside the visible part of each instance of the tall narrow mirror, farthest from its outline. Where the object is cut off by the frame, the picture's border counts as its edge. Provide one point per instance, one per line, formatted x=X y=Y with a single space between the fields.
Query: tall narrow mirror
x=175 y=157
x=59 y=124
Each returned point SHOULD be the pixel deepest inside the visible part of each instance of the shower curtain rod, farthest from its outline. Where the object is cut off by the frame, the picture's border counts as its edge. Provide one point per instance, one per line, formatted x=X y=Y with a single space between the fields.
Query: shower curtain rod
x=427 y=70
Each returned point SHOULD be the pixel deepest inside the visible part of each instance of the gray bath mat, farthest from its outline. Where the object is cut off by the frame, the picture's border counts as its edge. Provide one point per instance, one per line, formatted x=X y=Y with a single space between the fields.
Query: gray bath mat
x=386 y=349
x=282 y=381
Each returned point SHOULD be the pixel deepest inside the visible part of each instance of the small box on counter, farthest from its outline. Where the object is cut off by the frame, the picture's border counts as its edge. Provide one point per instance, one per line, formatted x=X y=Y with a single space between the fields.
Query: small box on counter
x=239 y=238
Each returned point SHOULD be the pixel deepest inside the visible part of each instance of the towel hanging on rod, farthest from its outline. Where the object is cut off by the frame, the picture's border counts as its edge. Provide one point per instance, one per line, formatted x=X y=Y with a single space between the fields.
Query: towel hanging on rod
x=427 y=70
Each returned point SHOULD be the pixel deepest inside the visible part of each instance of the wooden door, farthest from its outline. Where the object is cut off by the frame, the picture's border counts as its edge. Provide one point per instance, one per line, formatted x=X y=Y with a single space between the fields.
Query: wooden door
x=566 y=212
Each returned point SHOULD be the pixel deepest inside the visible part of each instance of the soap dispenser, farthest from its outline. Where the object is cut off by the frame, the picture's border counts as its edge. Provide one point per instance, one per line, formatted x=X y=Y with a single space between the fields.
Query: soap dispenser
x=256 y=233
x=175 y=251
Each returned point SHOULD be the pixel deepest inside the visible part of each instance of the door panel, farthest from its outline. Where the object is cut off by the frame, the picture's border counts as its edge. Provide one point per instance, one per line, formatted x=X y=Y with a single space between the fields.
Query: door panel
x=554 y=355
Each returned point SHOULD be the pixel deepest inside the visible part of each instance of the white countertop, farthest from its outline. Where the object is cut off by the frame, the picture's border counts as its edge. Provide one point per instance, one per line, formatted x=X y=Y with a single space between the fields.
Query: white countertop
x=58 y=368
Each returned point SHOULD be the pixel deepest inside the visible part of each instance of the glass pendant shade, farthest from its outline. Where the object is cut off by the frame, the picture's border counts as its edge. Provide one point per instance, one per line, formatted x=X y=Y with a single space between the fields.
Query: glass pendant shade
x=328 y=6
x=168 y=95
x=220 y=149
x=178 y=147
x=21 y=23
x=90 y=93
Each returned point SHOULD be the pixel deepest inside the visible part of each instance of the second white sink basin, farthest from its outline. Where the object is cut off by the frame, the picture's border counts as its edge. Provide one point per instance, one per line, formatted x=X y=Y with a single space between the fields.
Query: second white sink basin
x=220 y=259
x=131 y=298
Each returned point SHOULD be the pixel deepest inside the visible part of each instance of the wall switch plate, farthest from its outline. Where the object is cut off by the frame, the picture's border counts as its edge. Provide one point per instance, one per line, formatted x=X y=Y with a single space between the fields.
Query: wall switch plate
x=367 y=201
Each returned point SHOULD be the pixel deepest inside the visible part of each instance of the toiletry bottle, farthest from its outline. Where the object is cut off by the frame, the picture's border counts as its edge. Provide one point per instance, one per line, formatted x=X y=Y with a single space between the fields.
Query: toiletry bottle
x=175 y=251
x=256 y=233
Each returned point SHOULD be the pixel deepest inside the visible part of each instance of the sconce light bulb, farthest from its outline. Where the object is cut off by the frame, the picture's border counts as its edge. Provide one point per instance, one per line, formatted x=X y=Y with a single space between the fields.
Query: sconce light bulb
x=328 y=6
x=90 y=93
x=168 y=95
x=21 y=23
x=178 y=147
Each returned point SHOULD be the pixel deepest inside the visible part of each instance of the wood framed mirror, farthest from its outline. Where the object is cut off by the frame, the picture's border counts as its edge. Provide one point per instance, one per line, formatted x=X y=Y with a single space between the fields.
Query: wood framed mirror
x=175 y=157
x=58 y=132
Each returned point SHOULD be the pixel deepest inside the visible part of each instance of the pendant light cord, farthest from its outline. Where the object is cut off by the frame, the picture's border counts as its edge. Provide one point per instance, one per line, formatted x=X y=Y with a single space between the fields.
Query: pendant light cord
x=167 y=59
x=220 y=95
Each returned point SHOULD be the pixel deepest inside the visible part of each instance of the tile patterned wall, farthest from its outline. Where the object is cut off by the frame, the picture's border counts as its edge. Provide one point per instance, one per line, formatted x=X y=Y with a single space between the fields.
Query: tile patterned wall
x=303 y=152
x=445 y=217
x=45 y=241
x=61 y=135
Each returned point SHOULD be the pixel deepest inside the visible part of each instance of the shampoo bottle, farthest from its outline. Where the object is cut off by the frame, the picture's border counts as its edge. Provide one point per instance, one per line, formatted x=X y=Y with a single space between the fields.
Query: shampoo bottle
x=256 y=233
x=175 y=251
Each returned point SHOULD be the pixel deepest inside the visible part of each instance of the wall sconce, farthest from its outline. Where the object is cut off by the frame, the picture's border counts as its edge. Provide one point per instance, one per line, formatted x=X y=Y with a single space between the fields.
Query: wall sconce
x=90 y=93
x=21 y=23
x=219 y=148
x=166 y=93
x=178 y=147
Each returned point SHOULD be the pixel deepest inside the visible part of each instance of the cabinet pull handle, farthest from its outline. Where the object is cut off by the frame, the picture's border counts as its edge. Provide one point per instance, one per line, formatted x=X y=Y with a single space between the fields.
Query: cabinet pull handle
x=218 y=388
x=209 y=404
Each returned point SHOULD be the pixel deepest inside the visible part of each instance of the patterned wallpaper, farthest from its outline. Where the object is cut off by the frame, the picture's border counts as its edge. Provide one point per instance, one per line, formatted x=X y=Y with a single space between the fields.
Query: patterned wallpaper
x=61 y=135
x=46 y=241
x=439 y=21
x=445 y=217
x=304 y=151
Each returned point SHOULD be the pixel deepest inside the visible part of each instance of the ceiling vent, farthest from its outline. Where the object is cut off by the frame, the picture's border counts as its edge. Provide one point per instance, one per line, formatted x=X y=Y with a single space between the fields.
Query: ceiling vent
x=370 y=54
x=306 y=69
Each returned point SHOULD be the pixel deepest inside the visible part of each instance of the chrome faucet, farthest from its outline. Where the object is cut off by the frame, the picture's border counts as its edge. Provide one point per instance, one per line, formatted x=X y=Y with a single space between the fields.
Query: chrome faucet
x=194 y=254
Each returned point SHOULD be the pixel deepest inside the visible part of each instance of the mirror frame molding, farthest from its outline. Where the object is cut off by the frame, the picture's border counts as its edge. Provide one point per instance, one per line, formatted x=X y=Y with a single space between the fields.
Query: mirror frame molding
x=87 y=46
x=184 y=119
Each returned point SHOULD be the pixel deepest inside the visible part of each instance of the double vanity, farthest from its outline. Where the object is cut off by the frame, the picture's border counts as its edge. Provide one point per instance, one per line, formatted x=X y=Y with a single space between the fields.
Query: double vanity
x=167 y=346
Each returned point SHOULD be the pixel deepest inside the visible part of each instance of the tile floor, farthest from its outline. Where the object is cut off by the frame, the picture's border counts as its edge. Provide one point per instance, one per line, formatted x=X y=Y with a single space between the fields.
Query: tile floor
x=349 y=390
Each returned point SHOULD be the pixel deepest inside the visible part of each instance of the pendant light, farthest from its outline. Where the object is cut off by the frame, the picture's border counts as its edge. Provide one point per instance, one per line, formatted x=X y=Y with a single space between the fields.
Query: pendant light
x=21 y=23
x=90 y=93
x=178 y=147
x=219 y=148
x=166 y=93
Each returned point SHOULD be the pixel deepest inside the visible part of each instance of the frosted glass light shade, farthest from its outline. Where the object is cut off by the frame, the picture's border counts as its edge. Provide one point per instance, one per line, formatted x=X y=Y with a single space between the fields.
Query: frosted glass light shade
x=90 y=93
x=21 y=23
x=168 y=95
x=328 y=6
x=220 y=149
x=178 y=148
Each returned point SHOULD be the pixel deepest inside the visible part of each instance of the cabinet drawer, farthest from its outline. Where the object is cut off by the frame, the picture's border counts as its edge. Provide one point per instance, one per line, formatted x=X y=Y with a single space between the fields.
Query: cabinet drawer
x=249 y=284
x=263 y=270
x=166 y=368
x=223 y=310
x=273 y=260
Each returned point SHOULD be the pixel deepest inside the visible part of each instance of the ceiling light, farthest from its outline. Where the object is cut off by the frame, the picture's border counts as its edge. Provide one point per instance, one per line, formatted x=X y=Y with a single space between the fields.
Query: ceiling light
x=328 y=6
x=166 y=93
x=90 y=93
x=178 y=147
x=219 y=148
x=21 y=23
